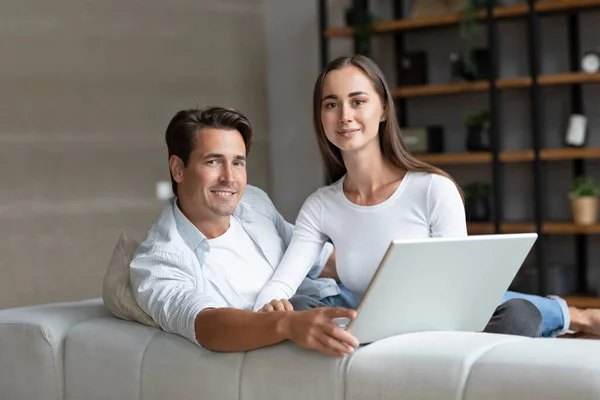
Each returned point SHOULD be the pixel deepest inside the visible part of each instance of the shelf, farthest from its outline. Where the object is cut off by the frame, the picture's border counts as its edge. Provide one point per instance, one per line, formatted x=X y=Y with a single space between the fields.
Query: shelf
x=486 y=228
x=568 y=78
x=454 y=18
x=456 y=158
x=569 y=153
x=482 y=86
x=516 y=156
x=517 y=227
x=483 y=157
x=549 y=228
x=567 y=228
x=582 y=301
x=441 y=89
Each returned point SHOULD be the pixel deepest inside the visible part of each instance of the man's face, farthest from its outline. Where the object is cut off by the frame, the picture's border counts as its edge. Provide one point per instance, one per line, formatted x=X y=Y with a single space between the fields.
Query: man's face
x=215 y=177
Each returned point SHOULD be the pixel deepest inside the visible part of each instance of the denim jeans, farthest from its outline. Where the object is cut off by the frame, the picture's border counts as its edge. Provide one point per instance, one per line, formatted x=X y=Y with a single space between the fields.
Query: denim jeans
x=556 y=317
x=555 y=312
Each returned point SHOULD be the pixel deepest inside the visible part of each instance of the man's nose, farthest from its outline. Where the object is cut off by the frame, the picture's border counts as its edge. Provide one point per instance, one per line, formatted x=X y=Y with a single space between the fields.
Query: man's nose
x=226 y=174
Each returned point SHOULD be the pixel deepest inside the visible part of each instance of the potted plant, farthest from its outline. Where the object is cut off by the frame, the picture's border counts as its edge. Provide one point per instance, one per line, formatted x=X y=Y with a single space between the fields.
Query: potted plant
x=477 y=202
x=478 y=131
x=584 y=201
x=362 y=20
x=468 y=28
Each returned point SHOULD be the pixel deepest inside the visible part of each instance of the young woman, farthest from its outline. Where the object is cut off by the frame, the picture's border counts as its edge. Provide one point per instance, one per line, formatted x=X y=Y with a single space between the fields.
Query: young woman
x=380 y=193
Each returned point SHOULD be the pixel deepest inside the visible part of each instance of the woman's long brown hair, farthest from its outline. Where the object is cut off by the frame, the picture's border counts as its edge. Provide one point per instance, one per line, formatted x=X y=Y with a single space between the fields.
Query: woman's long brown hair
x=392 y=146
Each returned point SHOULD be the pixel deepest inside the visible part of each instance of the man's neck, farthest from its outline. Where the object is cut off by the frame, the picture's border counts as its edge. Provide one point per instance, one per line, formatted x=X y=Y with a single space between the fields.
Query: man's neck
x=210 y=226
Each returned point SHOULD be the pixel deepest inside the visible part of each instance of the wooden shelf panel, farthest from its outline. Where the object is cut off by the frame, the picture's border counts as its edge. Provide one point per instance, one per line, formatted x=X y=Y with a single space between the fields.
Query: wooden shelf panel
x=441 y=89
x=566 y=228
x=482 y=86
x=480 y=228
x=516 y=156
x=517 y=227
x=582 y=301
x=563 y=5
x=452 y=19
x=514 y=83
x=549 y=228
x=569 y=153
x=456 y=158
x=568 y=78
x=483 y=157
x=486 y=228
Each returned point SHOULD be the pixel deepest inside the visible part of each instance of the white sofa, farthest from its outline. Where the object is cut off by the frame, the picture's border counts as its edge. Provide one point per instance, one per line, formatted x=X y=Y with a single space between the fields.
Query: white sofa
x=78 y=351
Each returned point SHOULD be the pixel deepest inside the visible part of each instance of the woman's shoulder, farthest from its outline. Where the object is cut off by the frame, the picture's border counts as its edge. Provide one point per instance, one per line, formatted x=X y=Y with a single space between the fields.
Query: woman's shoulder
x=431 y=184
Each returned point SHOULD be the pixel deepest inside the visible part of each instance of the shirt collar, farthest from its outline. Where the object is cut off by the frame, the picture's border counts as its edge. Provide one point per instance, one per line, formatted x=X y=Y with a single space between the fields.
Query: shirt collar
x=192 y=235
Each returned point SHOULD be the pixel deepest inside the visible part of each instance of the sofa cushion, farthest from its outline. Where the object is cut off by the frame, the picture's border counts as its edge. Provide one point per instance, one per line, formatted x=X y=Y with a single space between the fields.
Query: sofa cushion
x=117 y=293
x=549 y=369
x=32 y=341
x=114 y=359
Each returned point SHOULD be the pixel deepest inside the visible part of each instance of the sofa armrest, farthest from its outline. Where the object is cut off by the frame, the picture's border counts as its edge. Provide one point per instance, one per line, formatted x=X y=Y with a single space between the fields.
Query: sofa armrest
x=32 y=343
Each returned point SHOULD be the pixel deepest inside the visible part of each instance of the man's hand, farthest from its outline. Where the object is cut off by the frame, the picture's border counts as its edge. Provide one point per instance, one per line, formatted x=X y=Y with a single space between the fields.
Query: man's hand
x=314 y=329
x=277 y=305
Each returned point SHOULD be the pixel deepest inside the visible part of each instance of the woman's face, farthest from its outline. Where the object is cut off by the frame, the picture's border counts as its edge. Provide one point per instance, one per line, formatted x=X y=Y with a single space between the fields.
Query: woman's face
x=351 y=109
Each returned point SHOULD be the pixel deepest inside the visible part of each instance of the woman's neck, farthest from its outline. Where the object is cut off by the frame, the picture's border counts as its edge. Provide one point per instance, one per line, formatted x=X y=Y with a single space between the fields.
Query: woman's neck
x=368 y=172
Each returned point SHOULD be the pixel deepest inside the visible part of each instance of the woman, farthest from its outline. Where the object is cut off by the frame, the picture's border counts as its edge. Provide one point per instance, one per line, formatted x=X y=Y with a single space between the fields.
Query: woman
x=380 y=192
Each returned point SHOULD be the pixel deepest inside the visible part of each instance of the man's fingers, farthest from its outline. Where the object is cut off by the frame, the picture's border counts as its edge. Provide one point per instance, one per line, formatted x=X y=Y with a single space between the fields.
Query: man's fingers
x=335 y=344
x=338 y=312
x=319 y=346
x=341 y=335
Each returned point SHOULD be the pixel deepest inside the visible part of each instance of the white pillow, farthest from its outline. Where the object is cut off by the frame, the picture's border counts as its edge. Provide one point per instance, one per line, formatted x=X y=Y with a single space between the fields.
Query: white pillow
x=116 y=290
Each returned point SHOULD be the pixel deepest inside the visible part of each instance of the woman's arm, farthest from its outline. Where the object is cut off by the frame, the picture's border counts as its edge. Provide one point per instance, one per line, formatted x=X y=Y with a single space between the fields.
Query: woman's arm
x=305 y=247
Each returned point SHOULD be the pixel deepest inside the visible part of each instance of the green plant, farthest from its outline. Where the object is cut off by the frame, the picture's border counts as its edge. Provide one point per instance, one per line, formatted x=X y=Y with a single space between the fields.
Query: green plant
x=362 y=21
x=583 y=187
x=476 y=190
x=468 y=29
x=481 y=119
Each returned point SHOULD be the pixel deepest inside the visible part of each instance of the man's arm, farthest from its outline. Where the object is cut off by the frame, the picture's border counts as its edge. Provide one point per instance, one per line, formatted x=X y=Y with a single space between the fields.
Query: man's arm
x=229 y=330
x=163 y=285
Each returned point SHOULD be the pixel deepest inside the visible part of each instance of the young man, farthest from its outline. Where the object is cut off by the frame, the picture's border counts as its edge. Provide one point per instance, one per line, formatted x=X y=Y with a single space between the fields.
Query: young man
x=218 y=242
x=216 y=245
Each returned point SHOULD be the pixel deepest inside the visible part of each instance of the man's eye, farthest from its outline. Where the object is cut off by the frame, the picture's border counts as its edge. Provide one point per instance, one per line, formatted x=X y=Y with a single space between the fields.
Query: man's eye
x=212 y=162
x=239 y=163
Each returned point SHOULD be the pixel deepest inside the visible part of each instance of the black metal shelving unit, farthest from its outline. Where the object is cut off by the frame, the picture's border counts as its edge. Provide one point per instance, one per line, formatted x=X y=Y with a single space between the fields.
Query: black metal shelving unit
x=532 y=14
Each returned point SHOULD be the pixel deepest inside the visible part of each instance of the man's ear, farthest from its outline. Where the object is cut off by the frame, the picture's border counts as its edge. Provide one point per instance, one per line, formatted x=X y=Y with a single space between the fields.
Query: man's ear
x=176 y=167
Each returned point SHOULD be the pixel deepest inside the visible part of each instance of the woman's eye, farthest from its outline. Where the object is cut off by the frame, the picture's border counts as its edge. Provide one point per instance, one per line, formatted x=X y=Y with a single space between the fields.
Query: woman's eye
x=329 y=105
x=359 y=102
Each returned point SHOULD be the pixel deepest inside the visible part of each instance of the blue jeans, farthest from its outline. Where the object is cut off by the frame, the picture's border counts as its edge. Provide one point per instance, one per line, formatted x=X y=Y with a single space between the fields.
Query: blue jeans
x=555 y=312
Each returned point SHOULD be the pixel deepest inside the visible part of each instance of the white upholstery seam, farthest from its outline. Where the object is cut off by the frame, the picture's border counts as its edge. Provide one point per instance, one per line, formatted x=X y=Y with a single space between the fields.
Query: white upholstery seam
x=473 y=359
x=157 y=331
x=241 y=373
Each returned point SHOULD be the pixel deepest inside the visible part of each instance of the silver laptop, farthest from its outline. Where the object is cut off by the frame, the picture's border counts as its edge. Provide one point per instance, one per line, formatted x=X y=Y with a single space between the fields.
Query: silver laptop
x=449 y=284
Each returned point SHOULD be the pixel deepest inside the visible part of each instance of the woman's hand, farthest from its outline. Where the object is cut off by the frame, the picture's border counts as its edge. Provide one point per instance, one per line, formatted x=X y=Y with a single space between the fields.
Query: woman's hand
x=277 y=305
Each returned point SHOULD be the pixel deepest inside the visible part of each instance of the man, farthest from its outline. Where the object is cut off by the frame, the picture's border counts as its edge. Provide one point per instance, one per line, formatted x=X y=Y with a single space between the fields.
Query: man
x=218 y=241
x=205 y=260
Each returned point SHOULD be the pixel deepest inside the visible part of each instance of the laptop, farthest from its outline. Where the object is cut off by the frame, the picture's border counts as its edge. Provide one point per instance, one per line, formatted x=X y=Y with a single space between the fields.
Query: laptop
x=438 y=284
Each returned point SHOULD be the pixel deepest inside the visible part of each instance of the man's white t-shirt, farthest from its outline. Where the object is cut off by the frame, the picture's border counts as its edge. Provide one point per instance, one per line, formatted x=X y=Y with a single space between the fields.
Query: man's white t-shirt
x=424 y=205
x=245 y=267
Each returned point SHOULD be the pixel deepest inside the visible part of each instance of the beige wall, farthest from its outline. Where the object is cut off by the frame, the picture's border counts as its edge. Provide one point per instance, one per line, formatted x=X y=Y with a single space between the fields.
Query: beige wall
x=86 y=91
